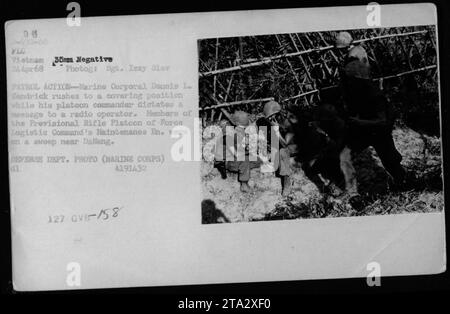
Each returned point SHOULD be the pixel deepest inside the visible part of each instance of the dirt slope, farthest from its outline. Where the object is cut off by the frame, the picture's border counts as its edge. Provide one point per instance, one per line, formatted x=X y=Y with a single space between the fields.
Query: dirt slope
x=421 y=155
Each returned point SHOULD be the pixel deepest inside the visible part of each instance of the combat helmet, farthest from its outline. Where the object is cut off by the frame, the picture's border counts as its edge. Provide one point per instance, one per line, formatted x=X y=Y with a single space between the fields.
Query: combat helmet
x=240 y=118
x=343 y=40
x=271 y=108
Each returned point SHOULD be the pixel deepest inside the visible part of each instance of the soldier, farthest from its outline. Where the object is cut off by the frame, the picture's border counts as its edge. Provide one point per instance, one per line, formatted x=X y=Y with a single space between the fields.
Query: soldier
x=273 y=121
x=354 y=71
x=320 y=135
x=354 y=52
x=370 y=120
x=333 y=126
x=233 y=154
x=368 y=114
x=221 y=149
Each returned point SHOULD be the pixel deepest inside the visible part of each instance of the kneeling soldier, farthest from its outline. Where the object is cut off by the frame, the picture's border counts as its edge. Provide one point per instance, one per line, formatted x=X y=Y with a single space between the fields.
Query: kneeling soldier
x=273 y=120
x=233 y=154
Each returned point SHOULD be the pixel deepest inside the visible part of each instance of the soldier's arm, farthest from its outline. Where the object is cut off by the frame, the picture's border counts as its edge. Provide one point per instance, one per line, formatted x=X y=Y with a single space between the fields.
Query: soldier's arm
x=282 y=141
x=289 y=138
x=379 y=121
x=339 y=132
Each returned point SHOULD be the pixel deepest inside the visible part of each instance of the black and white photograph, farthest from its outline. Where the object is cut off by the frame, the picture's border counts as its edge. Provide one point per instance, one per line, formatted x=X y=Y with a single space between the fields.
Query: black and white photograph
x=248 y=151
x=355 y=115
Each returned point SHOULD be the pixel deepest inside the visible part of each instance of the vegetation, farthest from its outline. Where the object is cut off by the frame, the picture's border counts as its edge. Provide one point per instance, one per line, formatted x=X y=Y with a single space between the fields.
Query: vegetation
x=298 y=70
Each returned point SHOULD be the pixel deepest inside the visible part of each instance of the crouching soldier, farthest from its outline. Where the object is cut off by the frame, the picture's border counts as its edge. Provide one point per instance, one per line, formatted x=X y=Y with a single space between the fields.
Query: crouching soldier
x=320 y=137
x=233 y=154
x=281 y=150
x=333 y=162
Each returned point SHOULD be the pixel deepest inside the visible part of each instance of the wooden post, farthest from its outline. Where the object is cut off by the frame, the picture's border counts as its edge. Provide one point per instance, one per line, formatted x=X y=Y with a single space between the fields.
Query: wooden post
x=268 y=60
x=215 y=76
x=222 y=110
x=239 y=102
x=292 y=70
x=313 y=81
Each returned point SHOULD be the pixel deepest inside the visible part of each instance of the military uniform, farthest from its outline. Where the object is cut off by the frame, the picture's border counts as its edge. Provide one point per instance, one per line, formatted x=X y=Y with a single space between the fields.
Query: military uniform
x=232 y=153
x=282 y=156
x=241 y=161
x=354 y=52
x=320 y=140
x=358 y=53
x=368 y=114
x=335 y=129
x=282 y=151
x=370 y=120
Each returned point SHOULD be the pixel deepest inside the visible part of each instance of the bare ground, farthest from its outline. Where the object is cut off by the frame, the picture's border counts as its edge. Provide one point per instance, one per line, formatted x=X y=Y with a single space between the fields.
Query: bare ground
x=421 y=155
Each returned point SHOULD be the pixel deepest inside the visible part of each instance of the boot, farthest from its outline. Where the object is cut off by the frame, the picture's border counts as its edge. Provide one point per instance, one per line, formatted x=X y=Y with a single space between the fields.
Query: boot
x=220 y=165
x=356 y=201
x=397 y=179
x=245 y=188
x=286 y=185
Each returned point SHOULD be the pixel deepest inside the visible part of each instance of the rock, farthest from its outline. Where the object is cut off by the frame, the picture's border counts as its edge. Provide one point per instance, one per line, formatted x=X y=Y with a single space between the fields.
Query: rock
x=265 y=201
